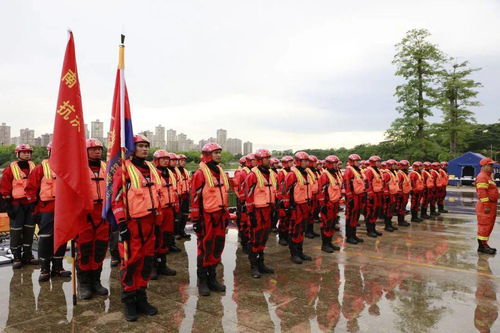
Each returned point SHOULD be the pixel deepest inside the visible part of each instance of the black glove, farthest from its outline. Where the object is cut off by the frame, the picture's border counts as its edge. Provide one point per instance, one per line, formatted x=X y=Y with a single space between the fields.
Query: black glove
x=197 y=226
x=124 y=233
x=350 y=203
x=324 y=210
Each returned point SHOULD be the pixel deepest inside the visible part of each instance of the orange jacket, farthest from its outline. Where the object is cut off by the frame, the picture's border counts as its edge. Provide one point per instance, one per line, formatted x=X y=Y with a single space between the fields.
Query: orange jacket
x=143 y=196
x=168 y=189
x=417 y=182
x=260 y=188
x=486 y=188
x=330 y=187
x=48 y=184
x=98 y=183
x=19 y=179
x=404 y=182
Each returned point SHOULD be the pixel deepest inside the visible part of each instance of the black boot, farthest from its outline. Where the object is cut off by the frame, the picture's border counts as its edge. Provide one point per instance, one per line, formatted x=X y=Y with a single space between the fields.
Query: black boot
x=44 y=270
x=388 y=225
x=97 y=287
x=303 y=256
x=309 y=230
x=423 y=213
x=143 y=306
x=283 y=238
x=370 y=229
x=162 y=268
x=174 y=248
x=263 y=268
x=84 y=284
x=359 y=240
x=202 y=274
x=154 y=269
x=402 y=222
x=349 y=235
x=433 y=211
x=294 y=253
x=485 y=248
x=58 y=269
x=244 y=245
x=16 y=241
x=326 y=244
x=374 y=228
x=18 y=262
x=414 y=217
x=28 y=258
x=113 y=249
x=441 y=209
x=213 y=284
x=130 y=310
x=254 y=269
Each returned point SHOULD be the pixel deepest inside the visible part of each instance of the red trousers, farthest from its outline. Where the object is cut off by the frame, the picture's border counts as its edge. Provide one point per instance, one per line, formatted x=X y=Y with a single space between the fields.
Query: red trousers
x=314 y=210
x=353 y=209
x=260 y=226
x=389 y=205
x=300 y=215
x=135 y=272
x=211 y=238
x=329 y=213
x=402 y=201
x=485 y=221
x=441 y=194
x=373 y=206
x=284 y=221
x=416 y=199
x=427 y=195
x=164 y=231
x=92 y=241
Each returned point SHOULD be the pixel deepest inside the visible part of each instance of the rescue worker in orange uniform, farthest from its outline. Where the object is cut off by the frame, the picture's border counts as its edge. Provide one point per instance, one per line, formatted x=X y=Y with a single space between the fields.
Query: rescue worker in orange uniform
x=436 y=177
x=237 y=178
x=284 y=217
x=137 y=210
x=41 y=190
x=169 y=201
x=183 y=191
x=92 y=239
x=391 y=189
x=486 y=207
x=428 y=190
x=20 y=211
x=260 y=200
x=362 y=167
x=172 y=166
x=442 y=189
x=417 y=188
x=374 y=199
x=274 y=164
x=354 y=186
x=296 y=197
x=209 y=213
x=243 y=230
x=314 y=203
x=404 y=192
x=330 y=187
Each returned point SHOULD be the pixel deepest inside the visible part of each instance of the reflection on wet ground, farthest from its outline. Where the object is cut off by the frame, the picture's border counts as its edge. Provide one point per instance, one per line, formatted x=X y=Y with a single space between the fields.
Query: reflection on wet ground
x=427 y=277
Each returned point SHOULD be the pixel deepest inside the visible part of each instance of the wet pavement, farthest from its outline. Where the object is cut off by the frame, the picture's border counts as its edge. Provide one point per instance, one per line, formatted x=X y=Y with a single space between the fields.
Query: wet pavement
x=424 y=278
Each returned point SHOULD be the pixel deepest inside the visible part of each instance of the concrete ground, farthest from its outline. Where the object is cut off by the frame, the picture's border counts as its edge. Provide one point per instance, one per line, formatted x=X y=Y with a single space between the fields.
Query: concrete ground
x=424 y=278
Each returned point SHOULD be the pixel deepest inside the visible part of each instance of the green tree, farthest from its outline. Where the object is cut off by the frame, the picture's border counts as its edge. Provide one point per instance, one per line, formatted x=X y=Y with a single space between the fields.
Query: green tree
x=458 y=95
x=418 y=62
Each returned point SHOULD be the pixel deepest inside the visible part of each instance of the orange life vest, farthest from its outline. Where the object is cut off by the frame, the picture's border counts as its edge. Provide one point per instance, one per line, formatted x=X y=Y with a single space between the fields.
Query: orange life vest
x=444 y=178
x=429 y=182
x=168 y=191
x=99 y=183
x=333 y=187
x=183 y=177
x=302 y=191
x=358 y=183
x=215 y=191
x=406 y=185
x=393 y=183
x=419 y=183
x=377 y=183
x=143 y=195
x=436 y=175
x=314 y=182
x=48 y=184
x=19 y=179
x=265 y=191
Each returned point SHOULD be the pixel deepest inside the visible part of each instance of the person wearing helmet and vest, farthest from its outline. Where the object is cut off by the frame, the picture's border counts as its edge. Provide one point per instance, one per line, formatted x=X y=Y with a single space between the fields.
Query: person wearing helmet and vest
x=330 y=186
x=92 y=238
x=169 y=201
x=41 y=190
x=362 y=167
x=417 y=188
x=172 y=166
x=284 y=218
x=209 y=213
x=260 y=200
x=314 y=215
x=354 y=186
x=241 y=219
x=391 y=190
x=20 y=211
x=374 y=195
x=296 y=197
x=436 y=176
x=404 y=192
x=428 y=190
x=442 y=189
x=486 y=207
x=273 y=168
x=184 y=190
x=136 y=207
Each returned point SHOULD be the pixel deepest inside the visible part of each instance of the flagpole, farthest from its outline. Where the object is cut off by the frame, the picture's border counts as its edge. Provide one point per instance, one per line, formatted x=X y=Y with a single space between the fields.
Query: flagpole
x=73 y=271
x=121 y=64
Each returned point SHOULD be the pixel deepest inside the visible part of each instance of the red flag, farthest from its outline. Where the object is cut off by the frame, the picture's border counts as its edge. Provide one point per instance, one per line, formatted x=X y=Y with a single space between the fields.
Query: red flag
x=69 y=155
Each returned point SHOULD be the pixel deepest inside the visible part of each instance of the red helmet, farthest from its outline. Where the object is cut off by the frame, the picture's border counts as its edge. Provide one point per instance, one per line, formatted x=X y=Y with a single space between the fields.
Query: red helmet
x=391 y=162
x=181 y=157
x=49 y=146
x=160 y=153
x=383 y=164
x=242 y=160
x=373 y=159
x=427 y=164
x=92 y=143
x=300 y=155
x=404 y=163
x=313 y=158
x=274 y=160
x=140 y=138
x=250 y=157
x=436 y=164
x=172 y=156
x=331 y=159
x=417 y=164
x=444 y=164
x=23 y=147
x=210 y=148
x=354 y=157
x=262 y=153
x=286 y=159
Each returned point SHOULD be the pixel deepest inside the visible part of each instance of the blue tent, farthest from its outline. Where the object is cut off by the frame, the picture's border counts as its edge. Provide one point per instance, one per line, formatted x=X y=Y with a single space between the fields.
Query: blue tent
x=465 y=168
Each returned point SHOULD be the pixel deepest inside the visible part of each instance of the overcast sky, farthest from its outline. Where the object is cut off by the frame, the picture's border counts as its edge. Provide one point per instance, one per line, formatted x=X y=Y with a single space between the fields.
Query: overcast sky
x=283 y=74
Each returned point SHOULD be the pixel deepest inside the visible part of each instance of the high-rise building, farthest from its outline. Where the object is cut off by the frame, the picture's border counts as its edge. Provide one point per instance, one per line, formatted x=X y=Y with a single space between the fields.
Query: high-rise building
x=147 y=134
x=97 y=130
x=4 y=135
x=87 y=133
x=201 y=143
x=172 y=143
x=247 y=148
x=27 y=136
x=222 y=137
x=15 y=141
x=45 y=139
x=159 y=137
x=37 y=142
x=233 y=146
